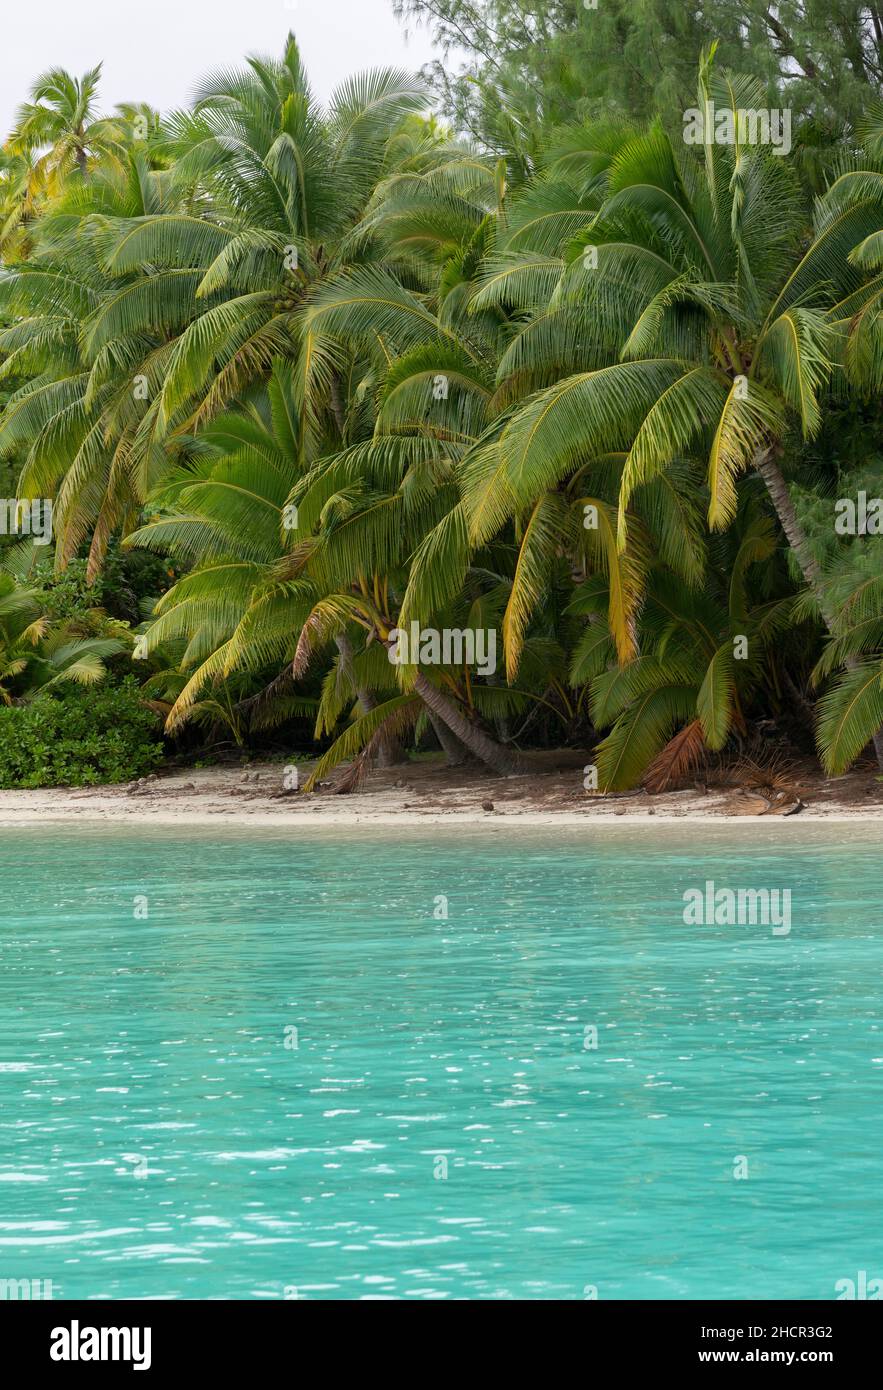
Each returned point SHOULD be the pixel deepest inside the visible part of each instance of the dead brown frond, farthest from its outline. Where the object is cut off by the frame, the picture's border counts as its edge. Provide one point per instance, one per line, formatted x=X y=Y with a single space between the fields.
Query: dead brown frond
x=767 y=770
x=678 y=760
x=361 y=765
x=160 y=707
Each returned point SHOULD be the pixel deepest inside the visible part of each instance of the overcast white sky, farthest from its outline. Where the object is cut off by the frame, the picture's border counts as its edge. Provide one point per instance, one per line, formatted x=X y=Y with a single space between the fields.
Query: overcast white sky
x=157 y=51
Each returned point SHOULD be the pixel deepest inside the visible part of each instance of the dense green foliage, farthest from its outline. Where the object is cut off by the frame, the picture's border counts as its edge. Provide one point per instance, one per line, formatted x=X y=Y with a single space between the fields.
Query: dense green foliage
x=331 y=373
x=79 y=738
x=557 y=60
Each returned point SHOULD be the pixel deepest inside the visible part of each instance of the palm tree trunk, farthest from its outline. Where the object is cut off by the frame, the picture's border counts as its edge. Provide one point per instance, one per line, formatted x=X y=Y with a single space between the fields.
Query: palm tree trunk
x=501 y=722
x=505 y=761
x=391 y=751
x=456 y=753
x=337 y=407
x=777 y=488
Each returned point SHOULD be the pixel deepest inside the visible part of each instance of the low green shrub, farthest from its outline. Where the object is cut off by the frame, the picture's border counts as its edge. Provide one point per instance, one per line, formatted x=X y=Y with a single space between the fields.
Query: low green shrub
x=82 y=736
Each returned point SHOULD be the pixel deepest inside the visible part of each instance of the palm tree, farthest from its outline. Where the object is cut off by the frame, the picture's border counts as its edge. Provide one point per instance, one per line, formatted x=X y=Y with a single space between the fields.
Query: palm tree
x=703 y=654
x=81 y=414
x=20 y=202
x=38 y=654
x=690 y=320
x=508 y=392
x=276 y=186
x=157 y=295
x=264 y=594
x=60 y=124
x=851 y=709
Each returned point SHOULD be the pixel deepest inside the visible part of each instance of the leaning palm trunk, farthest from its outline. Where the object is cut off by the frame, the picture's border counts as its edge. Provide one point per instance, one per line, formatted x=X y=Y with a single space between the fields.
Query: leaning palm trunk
x=456 y=753
x=777 y=488
x=390 y=751
x=502 y=760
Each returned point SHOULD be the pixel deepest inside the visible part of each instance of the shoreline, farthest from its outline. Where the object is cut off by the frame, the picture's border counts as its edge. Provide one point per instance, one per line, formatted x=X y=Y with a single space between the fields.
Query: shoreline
x=425 y=792
x=537 y=820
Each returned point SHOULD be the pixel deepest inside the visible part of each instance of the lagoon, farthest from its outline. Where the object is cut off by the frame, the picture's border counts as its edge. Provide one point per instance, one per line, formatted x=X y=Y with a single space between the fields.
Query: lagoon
x=439 y=1064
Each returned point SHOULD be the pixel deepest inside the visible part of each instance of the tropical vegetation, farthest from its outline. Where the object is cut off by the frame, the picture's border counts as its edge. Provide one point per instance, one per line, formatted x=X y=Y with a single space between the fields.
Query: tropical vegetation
x=299 y=378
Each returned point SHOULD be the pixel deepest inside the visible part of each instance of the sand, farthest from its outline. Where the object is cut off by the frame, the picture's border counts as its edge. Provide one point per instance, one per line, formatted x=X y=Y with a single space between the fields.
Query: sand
x=425 y=792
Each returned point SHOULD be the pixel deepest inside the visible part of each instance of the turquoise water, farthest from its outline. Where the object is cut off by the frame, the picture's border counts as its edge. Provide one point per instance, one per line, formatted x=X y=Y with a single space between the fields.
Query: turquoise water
x=161 y=1135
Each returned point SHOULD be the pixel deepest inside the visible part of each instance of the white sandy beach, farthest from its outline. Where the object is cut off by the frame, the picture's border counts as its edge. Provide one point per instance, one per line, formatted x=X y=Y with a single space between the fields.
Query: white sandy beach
x=427 y=793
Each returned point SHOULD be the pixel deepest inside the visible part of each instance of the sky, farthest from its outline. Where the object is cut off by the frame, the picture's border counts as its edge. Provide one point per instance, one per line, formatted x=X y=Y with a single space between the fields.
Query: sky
x=156 y=52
